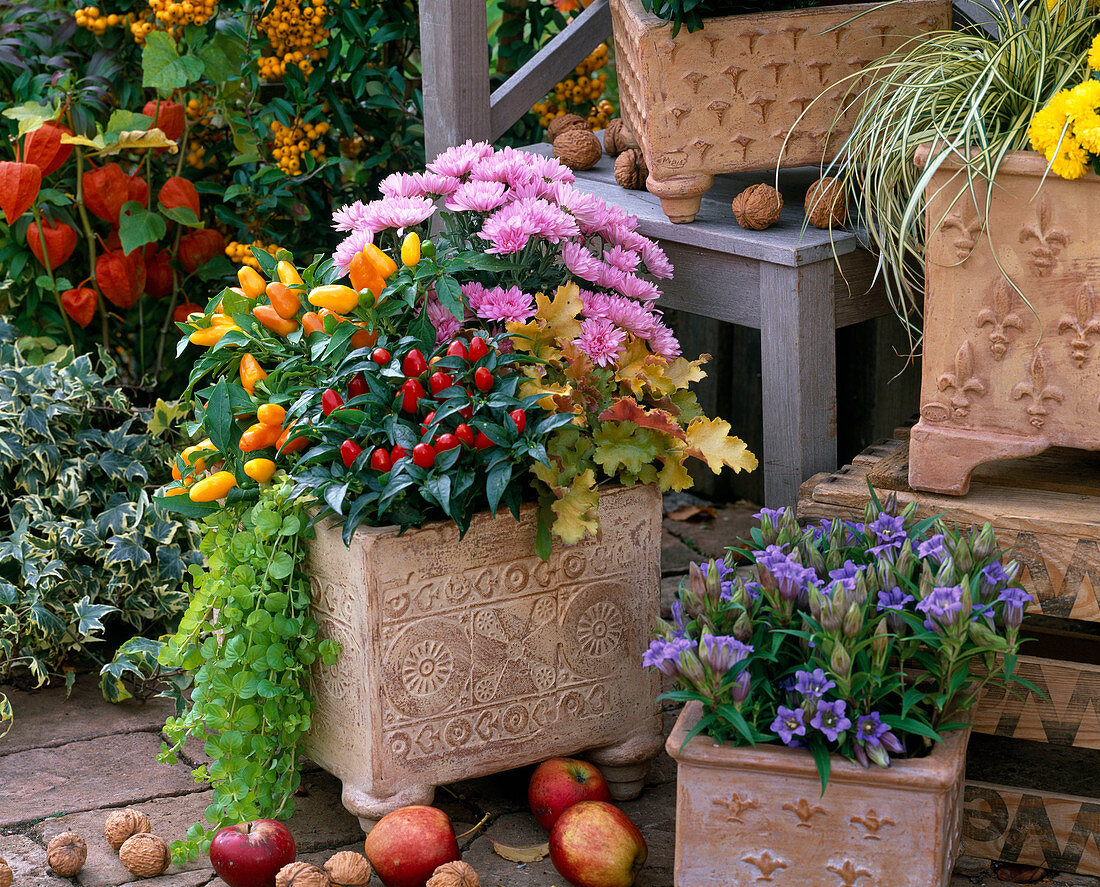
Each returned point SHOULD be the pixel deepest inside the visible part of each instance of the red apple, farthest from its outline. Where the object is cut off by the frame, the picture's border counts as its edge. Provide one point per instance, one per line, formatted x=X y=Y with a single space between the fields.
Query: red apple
x=594 y=844
x=250 y=854
x=558 y=784
x=406 y=846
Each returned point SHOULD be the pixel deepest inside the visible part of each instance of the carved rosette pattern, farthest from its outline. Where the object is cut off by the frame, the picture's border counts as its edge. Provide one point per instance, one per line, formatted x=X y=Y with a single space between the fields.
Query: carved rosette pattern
x=723 y=99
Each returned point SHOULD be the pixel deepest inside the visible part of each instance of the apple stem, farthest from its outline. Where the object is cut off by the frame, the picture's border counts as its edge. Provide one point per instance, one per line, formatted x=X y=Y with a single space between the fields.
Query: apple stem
x=484 y=819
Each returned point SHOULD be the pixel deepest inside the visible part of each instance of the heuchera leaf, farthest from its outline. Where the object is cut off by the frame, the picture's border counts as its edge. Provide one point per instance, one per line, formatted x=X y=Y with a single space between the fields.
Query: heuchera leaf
x=576 y=510
x=711 y=441
x=626 y=409
x=624 y=444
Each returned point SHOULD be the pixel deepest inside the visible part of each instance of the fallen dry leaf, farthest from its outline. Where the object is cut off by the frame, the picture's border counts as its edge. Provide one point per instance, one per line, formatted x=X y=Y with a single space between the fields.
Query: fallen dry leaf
x=533 y=853
x=693 y=513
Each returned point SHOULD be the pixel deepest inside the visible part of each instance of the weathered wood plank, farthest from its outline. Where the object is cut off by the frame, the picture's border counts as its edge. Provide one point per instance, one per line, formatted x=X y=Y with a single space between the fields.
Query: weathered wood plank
x=454 y=52
x=718 y=286
x=1031 y=827
x=1046 y=511
x=551 y=64
x=857 y=294
x=1065 y=712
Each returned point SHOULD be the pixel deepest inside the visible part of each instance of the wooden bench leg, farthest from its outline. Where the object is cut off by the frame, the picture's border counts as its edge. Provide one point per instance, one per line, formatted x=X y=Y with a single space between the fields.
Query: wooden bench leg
x=798 y=357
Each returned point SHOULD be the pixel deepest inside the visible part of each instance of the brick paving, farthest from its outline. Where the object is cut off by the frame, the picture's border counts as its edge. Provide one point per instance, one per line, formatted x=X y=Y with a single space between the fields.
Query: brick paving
x=67 y=762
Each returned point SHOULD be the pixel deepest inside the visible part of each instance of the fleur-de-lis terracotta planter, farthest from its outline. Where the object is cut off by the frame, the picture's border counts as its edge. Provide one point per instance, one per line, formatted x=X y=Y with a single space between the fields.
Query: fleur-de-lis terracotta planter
x=465 y=657
x=1011 y=320
x=751 y=815
x=724 y=98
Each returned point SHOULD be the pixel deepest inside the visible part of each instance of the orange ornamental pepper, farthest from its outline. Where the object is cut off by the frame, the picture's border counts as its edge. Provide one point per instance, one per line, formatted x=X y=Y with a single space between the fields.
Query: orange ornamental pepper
x=336 y=297
x=383 y=264
x=271 y=414
x=285 y=301
x=270 y=318
x=311 y=323
x=364 y=276
x=287 y=445
x=251 y=373
x=260 y=470
x=213 y=487
x=364 y=339
x=252 y=284
x=212 y=335
x=175 y=491
x=259 y=436
x=288 y=274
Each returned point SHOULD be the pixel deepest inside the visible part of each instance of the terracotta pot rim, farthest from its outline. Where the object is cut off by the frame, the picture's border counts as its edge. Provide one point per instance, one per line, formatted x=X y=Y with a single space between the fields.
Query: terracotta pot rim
x=650 y=22
x=1016 y=163
x=933 y=772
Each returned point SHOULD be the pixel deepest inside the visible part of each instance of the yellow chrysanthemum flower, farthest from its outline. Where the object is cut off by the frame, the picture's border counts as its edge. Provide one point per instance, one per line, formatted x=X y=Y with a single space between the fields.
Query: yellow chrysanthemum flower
x=1094 y=53
x=1071 y=161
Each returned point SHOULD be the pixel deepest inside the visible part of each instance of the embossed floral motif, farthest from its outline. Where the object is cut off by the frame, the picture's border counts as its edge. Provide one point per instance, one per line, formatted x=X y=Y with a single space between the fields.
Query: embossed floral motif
x=600 y=629
x=872 y=823
x=765 y=863
x=804 y=811
x=848 y=872
x=1037 y=389
x=1001 y=318
x=969 y=224
x=736 y=805
x=1082 y=323
x=963 y=382
x=427 y=667
x=1050 y=239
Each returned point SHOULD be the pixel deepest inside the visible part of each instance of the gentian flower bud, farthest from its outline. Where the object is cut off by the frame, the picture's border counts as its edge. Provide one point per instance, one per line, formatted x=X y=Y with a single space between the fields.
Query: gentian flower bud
x=878 y=754
x=880 y=644
x=892 y=743
x=853 y=621
x=692 y=669
x=861 y=755
x=985 y=545
x=841 y=662
x=963 y=557
x=817 y=602
x=739 y=690
x=834 y=560
x=742 y=628
x=946 y=574
x=857 y=595
x=812 y=557
x=906 y=558
x=713 y=585
x=983 y=636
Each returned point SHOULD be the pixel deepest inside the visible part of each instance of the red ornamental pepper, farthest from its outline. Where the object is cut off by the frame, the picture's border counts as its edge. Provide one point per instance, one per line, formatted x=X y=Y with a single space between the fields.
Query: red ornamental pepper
x=358 y=385
x=414 y=364
x=481 y=442
x=439 y=381
x=483 y=379
x=520 y=418
x=467 y=412
x=121 y=277
x=380 y=460
x=178 y=191
x=423 y=455
x=428 y=419
x=411 y=392
x=199 y=247
x=60 y=242
x=19 y=186
x=330 y=401
x=380 y=356
x=478 y=349
x=349 y=452
x=80 y=304
x=457 y=348
x=159 y=276
x=398 y=452
x=168 y=117
x=43 y=147
x=105 y=190
x=445 y=442
x=465 y=434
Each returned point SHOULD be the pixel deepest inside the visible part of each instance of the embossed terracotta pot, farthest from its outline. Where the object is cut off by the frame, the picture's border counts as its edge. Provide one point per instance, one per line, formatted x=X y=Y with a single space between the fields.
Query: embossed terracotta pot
x=724 y=98
x=465 y=657
x=746 y=815
x=1011 y=320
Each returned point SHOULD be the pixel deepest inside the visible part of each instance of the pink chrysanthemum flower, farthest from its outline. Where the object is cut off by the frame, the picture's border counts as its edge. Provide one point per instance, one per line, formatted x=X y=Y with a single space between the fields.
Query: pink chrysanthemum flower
x=473 y=292
x=354 y=243
x=446 y=324
x=655 y=260
x=662 y=341
x=536 y=188
x=589 y=211
x=637 y=288
x=623 y=234
x=634 y=317
x=506 y=305
x=610 y=277
x=456 y=161
x=479 y=197
x=511 y=228
x=508 y=234
x=551 y=169
x=547 y=220
x=357 y=216
x=401 y=184
x=580 y=262
x=434 y=183
x=623 y=259
x=401 y=212
x=493 y=168
x=601 y=340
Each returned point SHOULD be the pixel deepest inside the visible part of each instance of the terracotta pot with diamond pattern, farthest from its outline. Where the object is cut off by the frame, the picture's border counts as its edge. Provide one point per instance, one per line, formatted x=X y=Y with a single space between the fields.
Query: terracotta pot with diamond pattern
x=746 y=815
x=1011 y=320
x=724 y=98
x=465 y=657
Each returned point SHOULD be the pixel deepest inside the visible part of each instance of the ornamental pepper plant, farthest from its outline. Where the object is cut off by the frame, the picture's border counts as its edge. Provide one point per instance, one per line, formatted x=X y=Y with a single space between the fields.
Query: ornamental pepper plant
x=865 y=639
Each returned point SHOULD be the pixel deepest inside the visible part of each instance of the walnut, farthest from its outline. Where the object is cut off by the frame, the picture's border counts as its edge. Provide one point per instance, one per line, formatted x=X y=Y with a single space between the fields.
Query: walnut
x=826 y=203
x=121 y=824
x=617 y=137
x=578 y=148
x=66 y=853
x=631 y=170
x=6 y=876
x=757 y=207
x=564 y=123
x=144 y=855
x=454 y=874
x=348 y=869
x=302 y=874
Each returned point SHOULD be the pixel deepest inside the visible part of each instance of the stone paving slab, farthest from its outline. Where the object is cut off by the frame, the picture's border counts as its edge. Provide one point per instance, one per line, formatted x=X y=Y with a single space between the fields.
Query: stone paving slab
x=28 y=863
x=676 y=557
x=45 y=719
x=711 y=538
x=109 y=771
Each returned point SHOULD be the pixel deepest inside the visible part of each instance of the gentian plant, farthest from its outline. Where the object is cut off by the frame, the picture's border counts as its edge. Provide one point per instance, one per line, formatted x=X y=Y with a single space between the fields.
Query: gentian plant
x=866 y=639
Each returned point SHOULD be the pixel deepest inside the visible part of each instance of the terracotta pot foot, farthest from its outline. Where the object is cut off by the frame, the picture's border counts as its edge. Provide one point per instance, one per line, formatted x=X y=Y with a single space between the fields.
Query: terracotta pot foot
x=942 y=458
x=680 y=196
x=625 y=764
x=369 y=807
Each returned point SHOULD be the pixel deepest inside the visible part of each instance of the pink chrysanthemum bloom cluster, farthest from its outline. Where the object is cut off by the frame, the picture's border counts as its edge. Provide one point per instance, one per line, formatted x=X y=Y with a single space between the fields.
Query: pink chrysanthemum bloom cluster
x=524 y=208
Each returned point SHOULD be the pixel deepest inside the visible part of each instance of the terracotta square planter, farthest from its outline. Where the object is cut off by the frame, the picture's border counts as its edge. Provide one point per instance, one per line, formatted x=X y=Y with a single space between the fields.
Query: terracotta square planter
x=724 y=98
x=751 y=815
x=1011 y=320
x=465 y=657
